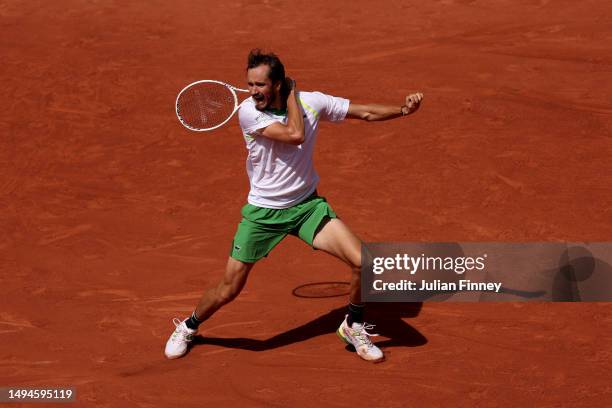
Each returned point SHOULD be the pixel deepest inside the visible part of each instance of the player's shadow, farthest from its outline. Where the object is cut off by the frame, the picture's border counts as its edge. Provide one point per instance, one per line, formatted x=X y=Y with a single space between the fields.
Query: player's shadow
x=578 y=266
x=387 y=316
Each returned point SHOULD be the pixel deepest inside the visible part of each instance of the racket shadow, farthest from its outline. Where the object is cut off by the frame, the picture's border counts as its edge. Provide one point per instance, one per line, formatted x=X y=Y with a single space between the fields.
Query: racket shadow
x=387 y=316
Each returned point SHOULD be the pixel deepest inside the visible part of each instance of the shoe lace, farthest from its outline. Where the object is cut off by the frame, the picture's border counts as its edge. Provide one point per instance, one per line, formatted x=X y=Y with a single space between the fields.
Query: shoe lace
x=361 y=333
x=180 y=333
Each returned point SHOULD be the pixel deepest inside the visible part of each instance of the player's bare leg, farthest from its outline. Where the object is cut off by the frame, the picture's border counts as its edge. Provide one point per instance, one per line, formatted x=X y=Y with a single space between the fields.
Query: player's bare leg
x=234 y=279
x=338 y=240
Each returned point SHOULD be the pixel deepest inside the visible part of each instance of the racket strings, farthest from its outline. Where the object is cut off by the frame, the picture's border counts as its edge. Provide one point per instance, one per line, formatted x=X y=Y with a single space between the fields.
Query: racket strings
x=205 y=105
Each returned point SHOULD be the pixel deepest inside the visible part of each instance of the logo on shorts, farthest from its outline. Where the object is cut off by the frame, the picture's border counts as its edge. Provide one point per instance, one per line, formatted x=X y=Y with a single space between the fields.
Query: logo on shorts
x=237 y=248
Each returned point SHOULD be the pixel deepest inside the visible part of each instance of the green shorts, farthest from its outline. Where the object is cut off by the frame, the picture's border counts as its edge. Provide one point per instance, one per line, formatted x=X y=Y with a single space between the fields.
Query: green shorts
x=261 y=229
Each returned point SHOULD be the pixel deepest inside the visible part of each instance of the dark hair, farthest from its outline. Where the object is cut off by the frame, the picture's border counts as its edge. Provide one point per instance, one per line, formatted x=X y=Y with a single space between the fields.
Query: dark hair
x=257 y=57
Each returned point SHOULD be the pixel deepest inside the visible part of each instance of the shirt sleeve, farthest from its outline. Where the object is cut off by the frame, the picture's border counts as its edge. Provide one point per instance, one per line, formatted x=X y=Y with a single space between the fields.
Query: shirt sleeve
x=330 y=108
x=252 y=120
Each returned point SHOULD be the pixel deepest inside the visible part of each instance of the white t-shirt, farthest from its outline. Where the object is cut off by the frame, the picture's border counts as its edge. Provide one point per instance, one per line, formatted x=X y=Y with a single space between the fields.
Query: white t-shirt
x=281 y=174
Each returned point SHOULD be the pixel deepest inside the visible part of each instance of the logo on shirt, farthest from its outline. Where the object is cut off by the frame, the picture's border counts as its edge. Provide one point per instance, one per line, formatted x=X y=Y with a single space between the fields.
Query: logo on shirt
x=237 y=248
x=260 y=117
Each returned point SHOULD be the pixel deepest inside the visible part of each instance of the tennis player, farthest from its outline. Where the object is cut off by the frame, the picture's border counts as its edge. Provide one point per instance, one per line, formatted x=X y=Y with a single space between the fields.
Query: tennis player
x=280 y=126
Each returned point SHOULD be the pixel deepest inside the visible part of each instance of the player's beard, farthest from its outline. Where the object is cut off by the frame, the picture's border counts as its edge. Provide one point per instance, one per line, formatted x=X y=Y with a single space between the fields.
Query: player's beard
x=269 y=103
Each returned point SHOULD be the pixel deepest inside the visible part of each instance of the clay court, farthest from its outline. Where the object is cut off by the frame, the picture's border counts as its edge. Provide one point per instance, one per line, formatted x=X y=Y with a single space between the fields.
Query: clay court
x=115 y=217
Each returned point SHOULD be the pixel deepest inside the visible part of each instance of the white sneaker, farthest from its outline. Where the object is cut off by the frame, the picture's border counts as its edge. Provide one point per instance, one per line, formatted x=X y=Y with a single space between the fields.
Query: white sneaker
x=178 y=343
x=358 y=337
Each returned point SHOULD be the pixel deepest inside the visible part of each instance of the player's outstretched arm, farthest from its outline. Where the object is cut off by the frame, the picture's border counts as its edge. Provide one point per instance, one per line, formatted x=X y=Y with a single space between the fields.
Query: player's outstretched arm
x=372 y=112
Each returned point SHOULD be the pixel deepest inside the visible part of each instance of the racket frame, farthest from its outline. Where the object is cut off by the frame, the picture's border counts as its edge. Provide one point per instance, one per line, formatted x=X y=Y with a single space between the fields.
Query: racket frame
x=232 y=90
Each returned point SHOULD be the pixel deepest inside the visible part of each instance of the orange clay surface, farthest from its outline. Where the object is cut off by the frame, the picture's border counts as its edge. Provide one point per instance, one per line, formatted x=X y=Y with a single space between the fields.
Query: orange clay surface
x=115 y=218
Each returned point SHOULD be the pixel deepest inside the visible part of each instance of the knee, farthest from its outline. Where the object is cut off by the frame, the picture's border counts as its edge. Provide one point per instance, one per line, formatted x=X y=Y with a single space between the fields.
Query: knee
x=233 y=282
x=356 y=264
x=226 y=294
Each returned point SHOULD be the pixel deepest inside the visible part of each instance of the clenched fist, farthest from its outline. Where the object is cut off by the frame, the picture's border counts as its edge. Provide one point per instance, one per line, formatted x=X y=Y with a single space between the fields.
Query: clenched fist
x=413 y=101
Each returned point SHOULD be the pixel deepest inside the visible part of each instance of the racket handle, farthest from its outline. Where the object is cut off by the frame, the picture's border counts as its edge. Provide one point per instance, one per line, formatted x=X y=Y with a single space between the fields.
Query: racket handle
x=289 y=84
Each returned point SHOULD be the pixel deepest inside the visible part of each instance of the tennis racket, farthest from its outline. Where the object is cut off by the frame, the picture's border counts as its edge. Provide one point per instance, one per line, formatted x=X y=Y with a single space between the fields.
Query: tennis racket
x=206 y=105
